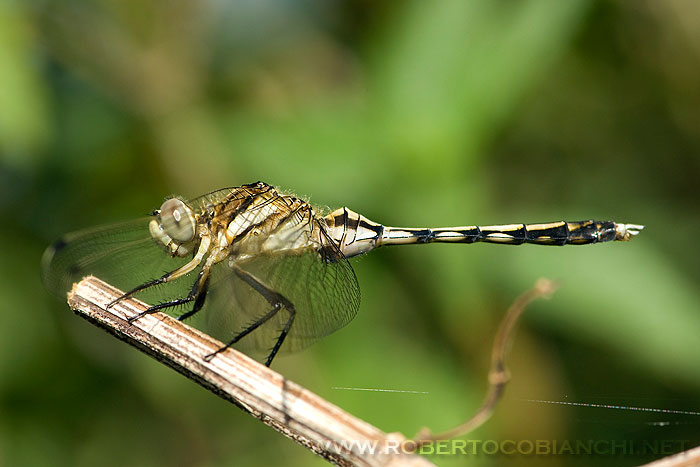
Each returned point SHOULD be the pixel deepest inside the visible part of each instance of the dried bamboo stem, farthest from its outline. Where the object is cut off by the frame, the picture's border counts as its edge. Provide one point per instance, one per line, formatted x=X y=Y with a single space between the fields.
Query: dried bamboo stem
x=266 y=395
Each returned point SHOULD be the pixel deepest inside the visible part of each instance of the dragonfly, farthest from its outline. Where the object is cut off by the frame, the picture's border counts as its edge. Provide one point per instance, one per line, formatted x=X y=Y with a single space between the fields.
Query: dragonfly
x=270 y=270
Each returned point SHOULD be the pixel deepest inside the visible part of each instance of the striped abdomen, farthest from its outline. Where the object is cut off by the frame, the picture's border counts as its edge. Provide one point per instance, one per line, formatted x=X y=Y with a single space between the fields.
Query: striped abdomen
x=356 y=234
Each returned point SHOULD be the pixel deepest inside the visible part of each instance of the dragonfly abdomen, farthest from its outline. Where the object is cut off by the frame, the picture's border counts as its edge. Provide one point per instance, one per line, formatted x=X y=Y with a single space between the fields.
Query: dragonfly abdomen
x=355 y=234
x=552 y=233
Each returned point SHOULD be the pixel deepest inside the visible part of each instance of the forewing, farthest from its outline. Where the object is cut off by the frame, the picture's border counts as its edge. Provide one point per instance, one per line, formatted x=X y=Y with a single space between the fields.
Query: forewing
x=124 y=255
x=321 y=286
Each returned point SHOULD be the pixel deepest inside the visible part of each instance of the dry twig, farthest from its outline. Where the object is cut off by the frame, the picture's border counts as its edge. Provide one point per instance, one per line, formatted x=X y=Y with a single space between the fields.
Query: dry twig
x=498 y=373
x=689 y=458
x=266 y=395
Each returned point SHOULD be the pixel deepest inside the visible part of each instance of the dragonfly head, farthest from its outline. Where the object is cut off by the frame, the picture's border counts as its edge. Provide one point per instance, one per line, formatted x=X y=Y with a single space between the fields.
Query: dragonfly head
x=174 y=226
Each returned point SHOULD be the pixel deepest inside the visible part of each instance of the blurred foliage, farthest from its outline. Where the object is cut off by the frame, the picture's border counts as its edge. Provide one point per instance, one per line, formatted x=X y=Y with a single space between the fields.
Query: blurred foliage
x=413 y=113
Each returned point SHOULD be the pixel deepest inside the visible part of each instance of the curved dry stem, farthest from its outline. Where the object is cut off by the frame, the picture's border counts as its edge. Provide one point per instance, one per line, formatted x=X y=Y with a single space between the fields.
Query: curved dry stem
x=498 y=373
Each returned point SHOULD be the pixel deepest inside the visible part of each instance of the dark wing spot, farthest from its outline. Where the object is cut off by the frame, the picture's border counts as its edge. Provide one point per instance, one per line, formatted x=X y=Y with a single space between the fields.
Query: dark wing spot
x=59 y=245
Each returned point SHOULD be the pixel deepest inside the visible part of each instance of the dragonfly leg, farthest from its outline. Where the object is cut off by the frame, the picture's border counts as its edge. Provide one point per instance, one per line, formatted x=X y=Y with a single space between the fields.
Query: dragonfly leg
x=179 y=272
x=198 y=303
x=277 y=300
x=143 y=286
x=252 y=327
x=282 y=336
x=197 y=293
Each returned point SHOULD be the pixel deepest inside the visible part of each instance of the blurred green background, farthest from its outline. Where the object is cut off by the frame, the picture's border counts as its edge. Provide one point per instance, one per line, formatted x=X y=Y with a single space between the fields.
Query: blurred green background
x=412 y=113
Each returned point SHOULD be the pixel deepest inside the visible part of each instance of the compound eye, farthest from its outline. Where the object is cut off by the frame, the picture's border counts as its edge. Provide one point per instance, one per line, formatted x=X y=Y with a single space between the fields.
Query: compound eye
x=177 y=220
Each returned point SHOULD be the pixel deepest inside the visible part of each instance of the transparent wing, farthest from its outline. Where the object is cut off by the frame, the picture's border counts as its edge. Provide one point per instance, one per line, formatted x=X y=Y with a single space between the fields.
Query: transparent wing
x=318 y=280
x=124 y=255
x=321 y=286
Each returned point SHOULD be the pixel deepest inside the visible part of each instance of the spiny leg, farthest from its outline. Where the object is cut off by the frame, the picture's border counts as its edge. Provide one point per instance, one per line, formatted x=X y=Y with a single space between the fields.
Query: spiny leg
x=198 y=303
x=143 y=286
x=175 y=274
x=197 y=293
x=282 y=336
x=252 y=327
x=277 y=300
